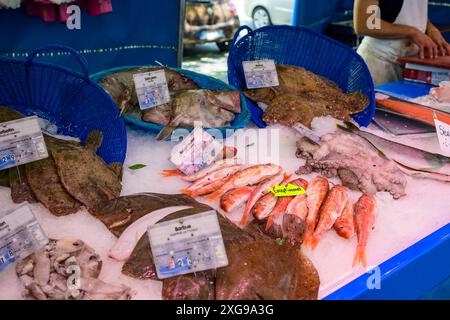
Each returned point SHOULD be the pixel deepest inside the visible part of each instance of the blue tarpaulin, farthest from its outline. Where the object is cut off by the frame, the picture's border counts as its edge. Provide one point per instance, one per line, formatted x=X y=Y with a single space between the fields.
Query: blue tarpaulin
x=136 y=32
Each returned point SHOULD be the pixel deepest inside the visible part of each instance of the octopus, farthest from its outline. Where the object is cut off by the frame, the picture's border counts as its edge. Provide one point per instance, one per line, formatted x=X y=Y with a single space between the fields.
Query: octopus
x=354 y=161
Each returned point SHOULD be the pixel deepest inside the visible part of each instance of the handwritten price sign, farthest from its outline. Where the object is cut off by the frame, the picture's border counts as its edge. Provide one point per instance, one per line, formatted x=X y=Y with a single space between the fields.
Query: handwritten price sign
x=443 y=132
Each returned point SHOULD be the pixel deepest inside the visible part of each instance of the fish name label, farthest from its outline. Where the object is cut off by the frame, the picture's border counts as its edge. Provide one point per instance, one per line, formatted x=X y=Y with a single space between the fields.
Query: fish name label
x=306 y=132
x=287 y=191
x=151 y=88
x=187 y=245
x=260 y=74
x=443 y=132
x=20 y=235
x=195 y=152
x=21 y=142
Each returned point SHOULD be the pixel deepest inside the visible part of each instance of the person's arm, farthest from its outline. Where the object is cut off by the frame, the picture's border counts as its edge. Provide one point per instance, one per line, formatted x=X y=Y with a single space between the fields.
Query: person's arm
x=438 y=38
x=389 y=30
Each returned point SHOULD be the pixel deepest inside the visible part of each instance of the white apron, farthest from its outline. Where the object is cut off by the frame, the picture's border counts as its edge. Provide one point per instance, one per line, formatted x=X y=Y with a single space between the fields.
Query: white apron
x=381 y=55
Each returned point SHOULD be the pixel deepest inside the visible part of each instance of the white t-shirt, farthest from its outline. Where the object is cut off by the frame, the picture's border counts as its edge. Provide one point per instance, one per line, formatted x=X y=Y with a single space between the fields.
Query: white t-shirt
x=412 y=13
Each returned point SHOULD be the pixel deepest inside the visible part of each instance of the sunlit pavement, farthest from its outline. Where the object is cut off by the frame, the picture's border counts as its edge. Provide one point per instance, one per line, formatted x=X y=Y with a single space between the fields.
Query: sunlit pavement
x=207 y=59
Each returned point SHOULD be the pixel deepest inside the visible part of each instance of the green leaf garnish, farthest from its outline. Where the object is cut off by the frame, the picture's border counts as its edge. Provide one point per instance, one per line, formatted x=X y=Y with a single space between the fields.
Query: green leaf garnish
x=137 y=166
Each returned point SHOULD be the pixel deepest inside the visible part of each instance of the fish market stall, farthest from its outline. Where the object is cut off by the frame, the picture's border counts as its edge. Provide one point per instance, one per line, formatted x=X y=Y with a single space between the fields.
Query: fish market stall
x=191 y=201
x=399 y=223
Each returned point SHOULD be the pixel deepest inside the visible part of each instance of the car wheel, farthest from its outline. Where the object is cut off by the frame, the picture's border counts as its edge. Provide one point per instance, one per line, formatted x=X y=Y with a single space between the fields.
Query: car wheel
x=261 y=17
x=223 y=46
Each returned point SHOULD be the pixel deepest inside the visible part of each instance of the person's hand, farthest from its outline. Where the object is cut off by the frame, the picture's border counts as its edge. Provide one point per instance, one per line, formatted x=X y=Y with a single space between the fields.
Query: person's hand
x=439 y=40
x=427 y=47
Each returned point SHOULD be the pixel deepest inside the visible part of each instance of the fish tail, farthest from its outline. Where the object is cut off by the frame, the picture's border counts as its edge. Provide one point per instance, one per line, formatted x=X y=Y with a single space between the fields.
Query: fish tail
x=165 y=132
x=360 y=256
x=171 y=173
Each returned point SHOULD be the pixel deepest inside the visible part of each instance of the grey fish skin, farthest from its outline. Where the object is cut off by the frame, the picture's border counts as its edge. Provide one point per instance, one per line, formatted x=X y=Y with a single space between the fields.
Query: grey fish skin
x=252 y=256
x=120 y=86
x=193 y=106
x=408 y=155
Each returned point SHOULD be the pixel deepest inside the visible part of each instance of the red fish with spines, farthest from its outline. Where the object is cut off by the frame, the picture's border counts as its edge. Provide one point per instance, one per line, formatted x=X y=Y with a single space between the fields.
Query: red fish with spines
x=220 y=174
x=260 y=191
x=331 y=209
x=249 y=176
x=315 y=196
x=264 y=206
x=283 y=202
x=235 y=198
x=365 y=211
x=345 y=224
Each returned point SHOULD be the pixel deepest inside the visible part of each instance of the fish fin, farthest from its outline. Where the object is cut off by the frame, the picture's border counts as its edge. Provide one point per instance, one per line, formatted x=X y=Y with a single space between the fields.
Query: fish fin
x=213 y=196
x=165 y=132
x=314 y=242
x=360 y=256
x=171 y=173
x=308 y=235
x=245 y=216
x=94 y=140
x=117 y=168
x=269 y=223
x=187 y=192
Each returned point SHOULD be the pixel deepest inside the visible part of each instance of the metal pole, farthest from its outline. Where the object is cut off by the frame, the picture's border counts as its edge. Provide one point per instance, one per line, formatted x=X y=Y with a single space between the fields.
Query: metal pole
x=182 y=15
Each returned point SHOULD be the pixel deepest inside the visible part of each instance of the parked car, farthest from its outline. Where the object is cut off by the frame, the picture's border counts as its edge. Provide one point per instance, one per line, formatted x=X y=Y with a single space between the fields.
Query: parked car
x=268 y=12
x=210 y=21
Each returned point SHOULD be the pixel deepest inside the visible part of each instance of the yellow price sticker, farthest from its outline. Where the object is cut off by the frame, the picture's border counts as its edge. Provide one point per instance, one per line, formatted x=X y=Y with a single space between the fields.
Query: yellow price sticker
x=287 y=191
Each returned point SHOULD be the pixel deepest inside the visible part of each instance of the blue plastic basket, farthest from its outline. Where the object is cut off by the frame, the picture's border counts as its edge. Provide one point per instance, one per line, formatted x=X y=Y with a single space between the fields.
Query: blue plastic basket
x=205 y=82
x=66 y=98
x=304 y=48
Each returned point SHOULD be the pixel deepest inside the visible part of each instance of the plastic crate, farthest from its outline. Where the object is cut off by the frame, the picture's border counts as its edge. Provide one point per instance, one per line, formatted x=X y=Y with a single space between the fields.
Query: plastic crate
x=68 y=99
x=303 y=48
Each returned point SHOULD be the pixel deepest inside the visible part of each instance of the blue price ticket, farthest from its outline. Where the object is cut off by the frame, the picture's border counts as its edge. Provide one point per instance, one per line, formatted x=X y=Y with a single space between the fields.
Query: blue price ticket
x=20 y=235
x=151 y=89
x=187 y=245
x=21 y=142
x=260 y=74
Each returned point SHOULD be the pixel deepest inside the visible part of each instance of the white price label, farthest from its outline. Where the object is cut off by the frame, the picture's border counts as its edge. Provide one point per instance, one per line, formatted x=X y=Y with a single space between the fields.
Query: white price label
x=151 y=89
x=21 y=142
x=187 y=245
x=20 y=235
x=260 y=74
x=443 y=132
x=196 y=151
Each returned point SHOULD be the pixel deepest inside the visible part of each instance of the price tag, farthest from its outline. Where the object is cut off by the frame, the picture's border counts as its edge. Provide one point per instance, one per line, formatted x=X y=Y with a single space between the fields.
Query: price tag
x=260 y=74
x=187 y=245
x=443 y=132
x=286 y=191
x=20 y=235
x=21 y=142
x=196 y=151
x=151 y=89
x=306 y=132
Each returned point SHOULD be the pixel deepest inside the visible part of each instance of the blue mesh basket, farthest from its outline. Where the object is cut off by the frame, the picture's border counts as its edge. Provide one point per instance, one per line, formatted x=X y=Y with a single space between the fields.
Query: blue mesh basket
x=304 y=48
x=66 y=98
x=205 y=82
